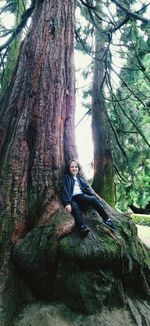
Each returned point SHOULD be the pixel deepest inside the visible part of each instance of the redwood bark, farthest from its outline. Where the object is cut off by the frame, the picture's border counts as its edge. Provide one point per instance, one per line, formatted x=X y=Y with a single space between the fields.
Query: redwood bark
x=103 y=182
x=37 y=124
x=37 y=113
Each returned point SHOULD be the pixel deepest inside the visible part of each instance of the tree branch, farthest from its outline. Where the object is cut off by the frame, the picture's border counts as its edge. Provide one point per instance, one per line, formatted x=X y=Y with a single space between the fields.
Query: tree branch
x=127 y=116
x=119 y=174
x=127 y=86
x=143 y=8
x=86 y=4
x=18 y=29
x=116 y=137
x=129 y=12
x=142 y=67
x=134 y=124
x=6 y=33
x=88 y=112
x=122 y=23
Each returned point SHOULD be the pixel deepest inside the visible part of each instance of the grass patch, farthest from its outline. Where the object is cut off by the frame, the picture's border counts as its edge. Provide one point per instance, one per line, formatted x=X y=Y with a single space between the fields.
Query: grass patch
x=141 y=219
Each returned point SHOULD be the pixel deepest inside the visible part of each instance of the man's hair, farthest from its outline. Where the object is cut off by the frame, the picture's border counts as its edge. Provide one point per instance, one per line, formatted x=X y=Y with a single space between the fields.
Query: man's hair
x=68 y=166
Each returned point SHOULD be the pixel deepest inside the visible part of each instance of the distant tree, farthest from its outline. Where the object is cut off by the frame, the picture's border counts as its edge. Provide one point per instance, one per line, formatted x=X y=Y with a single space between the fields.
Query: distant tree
x=103 y=181
x=130 y=45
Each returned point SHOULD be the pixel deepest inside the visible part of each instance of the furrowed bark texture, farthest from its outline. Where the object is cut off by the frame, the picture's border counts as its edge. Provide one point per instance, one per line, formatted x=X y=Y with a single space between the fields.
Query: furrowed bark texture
x=38 y=113
x=103 y=182
x=37 y=121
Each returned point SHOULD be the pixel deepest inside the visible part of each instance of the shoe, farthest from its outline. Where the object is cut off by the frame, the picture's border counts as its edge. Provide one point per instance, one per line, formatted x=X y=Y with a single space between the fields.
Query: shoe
x=110 y=224
x=84 y=229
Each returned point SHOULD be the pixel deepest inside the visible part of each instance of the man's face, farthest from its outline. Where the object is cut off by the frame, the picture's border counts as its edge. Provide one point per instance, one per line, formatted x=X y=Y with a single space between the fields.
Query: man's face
x=73 y=168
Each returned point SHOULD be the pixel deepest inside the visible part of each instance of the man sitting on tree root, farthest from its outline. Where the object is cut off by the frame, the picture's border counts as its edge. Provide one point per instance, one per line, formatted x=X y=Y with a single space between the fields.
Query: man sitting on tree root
x=77 y=195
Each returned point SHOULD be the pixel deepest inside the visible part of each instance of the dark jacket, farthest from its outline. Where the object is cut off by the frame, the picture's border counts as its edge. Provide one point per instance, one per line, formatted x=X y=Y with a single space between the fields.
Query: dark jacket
x=68 y=185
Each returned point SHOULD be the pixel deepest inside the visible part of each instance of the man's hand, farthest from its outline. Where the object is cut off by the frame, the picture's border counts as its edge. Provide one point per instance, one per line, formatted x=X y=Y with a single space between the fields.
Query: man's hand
x=68 y=208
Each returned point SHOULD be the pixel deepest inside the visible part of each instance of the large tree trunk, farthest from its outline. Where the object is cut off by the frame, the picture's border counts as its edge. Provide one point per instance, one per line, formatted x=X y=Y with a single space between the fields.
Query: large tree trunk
x=37 y=114
x=103 y=181
x=37 y=136
x=37 y=125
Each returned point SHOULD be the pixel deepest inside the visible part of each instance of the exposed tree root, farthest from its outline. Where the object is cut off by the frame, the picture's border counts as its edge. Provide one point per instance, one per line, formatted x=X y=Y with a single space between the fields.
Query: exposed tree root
x=64 y=229
x=140 y=311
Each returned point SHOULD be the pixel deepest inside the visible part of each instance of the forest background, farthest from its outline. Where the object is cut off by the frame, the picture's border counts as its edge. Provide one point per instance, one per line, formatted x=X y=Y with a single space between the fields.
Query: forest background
x=125 y=91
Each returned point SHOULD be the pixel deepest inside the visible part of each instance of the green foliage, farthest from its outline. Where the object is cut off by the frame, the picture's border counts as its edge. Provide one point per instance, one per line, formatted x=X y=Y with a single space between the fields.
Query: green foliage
x=8 y=56
x=141 y=219
x=130 y=116
x=129 y=100
x=8 y=67
x=137 y=175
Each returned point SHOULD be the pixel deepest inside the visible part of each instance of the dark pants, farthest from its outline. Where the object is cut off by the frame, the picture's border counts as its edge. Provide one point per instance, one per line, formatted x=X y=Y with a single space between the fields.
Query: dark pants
x=79 y=202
